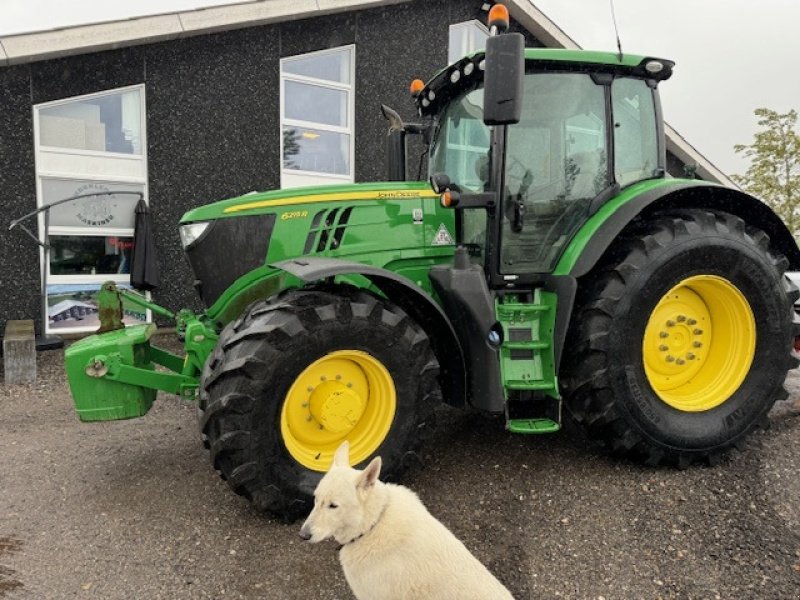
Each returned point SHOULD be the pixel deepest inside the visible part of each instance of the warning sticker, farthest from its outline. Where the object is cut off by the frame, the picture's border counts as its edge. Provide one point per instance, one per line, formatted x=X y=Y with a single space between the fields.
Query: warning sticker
x=442 y=237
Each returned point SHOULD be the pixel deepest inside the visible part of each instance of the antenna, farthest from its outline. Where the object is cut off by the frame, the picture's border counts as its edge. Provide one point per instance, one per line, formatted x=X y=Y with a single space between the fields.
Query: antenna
x=616 y=30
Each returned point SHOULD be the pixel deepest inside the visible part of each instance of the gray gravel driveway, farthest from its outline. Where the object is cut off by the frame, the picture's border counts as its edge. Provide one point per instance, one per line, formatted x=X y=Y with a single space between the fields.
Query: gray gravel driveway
x=132 y=509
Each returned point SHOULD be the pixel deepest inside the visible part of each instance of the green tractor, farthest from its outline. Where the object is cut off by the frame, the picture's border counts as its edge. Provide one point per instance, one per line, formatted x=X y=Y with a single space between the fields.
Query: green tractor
x=549 y=260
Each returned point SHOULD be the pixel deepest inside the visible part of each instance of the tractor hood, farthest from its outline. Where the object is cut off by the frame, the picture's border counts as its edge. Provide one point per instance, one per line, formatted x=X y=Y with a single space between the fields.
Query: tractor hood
x=230 y=244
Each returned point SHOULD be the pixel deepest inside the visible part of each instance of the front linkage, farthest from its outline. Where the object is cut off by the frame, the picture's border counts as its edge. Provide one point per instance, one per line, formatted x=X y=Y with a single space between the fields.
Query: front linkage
x=120 y=365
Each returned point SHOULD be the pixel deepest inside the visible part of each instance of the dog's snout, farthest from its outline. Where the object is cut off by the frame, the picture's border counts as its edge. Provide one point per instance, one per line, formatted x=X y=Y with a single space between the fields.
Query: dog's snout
x=305 y=532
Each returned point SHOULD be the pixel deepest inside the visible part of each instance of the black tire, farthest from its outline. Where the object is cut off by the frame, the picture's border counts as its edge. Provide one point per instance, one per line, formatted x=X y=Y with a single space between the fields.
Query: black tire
x=607 y=388
x=260 y=355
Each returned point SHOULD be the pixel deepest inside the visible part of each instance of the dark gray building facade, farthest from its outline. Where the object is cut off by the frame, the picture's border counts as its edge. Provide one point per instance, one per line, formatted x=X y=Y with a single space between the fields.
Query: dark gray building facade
x=213 y=122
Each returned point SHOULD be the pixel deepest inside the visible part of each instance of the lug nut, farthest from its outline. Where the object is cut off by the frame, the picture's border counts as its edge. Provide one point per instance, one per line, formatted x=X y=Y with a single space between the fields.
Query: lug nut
x=691 y=322
x=349 y=384
x=670 y=358
x=663 y=347
x=338 y=377
x=323 y=378
x=698 y=332
x=670 y=323
x=680 y=361
x=305 y=405
x=690 y=356
x=663 y=334
x=697 y=344
x=308 y=418
x=681 y=318
x=310 y=389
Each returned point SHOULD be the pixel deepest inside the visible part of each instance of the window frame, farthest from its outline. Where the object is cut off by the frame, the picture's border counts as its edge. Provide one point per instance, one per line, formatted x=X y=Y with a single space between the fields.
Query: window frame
x=95 y=166
x=349 y=130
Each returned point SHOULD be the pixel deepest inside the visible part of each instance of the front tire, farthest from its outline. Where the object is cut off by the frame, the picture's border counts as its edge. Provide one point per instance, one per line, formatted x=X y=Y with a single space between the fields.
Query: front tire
x=298 y=374
x=682 y=339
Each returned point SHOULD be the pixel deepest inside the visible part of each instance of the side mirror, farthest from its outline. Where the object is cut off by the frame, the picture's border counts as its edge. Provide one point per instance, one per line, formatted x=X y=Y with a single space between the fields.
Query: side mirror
x=502 y=80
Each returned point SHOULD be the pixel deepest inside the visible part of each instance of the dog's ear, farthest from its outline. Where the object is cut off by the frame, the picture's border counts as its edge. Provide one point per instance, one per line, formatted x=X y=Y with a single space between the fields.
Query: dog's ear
x=342 y=456
x=369 y=475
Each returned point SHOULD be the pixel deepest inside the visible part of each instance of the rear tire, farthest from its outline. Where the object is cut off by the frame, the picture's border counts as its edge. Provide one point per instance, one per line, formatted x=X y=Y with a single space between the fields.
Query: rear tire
x=636 y=381
x=260 y=357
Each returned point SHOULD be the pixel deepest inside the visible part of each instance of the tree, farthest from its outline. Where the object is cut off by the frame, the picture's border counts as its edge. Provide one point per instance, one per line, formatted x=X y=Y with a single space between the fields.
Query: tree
x=774 y=172
x=291 y=147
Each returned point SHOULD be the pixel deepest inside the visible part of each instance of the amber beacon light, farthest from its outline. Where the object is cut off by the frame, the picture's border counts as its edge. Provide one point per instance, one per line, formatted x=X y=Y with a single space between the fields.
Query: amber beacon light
x=498 y=19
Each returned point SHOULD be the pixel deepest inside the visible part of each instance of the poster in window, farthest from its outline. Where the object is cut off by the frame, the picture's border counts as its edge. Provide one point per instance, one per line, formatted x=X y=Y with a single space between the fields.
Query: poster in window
x=74 y=307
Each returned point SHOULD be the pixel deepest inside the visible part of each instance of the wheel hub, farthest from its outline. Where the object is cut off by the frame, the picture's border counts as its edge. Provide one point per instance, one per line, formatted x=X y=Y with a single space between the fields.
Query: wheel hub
x=336 y=407
x=677 y=338
x=699 y=343
x=345 y=395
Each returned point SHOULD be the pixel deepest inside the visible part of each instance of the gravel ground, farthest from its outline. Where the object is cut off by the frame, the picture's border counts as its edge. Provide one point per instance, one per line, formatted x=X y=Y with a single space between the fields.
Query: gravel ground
x=132 y=509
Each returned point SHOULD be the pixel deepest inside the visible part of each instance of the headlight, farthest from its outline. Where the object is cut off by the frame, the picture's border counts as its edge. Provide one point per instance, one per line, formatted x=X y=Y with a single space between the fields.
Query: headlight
x=191 y=231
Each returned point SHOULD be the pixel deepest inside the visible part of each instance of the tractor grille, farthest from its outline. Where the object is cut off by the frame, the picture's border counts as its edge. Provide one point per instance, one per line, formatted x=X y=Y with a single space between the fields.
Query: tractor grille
x=226 y=251
x=327 y=230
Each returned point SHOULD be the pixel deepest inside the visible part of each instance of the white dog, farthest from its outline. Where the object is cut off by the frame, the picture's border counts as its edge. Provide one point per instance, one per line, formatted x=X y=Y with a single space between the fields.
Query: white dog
x=392 y=547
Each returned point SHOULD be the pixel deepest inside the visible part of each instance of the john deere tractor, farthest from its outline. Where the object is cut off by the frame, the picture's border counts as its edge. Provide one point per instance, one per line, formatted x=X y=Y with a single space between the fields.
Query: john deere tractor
x=550 y=262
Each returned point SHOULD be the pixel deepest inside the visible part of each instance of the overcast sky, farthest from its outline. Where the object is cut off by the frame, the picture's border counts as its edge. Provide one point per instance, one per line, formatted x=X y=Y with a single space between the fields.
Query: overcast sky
x=732 y=56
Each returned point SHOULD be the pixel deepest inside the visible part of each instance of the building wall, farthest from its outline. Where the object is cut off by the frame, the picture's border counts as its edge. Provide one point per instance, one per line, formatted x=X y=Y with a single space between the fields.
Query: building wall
x=213 y=119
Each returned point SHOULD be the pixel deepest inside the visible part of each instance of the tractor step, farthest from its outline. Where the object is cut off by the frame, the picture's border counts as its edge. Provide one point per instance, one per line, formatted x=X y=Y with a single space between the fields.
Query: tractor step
x=532 y=426
x=526 y=353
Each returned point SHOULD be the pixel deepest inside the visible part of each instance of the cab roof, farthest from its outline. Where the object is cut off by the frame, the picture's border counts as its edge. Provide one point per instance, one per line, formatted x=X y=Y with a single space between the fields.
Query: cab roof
x=442 y=87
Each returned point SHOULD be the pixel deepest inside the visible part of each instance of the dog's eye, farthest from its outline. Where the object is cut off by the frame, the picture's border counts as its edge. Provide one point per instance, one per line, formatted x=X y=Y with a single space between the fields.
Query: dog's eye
x=333 y=505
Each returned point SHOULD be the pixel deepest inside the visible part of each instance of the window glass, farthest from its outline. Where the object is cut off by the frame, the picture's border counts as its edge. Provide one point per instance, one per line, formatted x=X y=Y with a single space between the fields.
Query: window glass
x=461 y=143
x=110 y=211
x=107 y=123
x=316 y=117
x=90 y=254
x=306 y=102
x=465 y=38
x=461 y=150
x=306 y=149
x=556 y=164
x=330 y=66
x=635 y=135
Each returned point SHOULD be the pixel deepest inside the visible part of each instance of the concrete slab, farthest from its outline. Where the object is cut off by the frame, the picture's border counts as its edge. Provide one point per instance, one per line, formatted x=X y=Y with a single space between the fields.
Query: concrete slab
x=19 y=352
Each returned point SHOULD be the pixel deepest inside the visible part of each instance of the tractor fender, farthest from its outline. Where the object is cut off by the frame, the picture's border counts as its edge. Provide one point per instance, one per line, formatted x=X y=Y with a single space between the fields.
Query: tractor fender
x=682 y=194
x=409 y=297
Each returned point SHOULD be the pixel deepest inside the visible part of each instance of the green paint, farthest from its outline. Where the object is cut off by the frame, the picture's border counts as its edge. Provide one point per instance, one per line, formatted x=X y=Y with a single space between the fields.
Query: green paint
x=583 y=56
x=381 y=231
x=532 y=426
x=98 y=398
x=579 y=241
x=533 y=322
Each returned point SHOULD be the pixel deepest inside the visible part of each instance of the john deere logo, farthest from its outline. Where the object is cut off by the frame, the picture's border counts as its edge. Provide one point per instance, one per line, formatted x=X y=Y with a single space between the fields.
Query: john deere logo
x=94 y=211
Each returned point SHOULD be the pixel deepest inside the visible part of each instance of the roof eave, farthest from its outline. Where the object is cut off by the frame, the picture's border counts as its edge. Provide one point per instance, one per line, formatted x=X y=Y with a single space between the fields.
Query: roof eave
x=81 y=39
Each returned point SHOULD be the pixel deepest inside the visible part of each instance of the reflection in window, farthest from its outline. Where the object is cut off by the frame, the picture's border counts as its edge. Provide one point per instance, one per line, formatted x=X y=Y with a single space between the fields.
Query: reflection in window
x=635 y=136
x=307 y=149
x=316 y=115
x=90 y=255
x=106 y=123
x=556 y=164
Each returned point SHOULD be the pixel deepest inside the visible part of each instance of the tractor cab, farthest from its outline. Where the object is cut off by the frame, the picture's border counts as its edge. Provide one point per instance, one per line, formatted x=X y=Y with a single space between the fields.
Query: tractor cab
x=588 y=126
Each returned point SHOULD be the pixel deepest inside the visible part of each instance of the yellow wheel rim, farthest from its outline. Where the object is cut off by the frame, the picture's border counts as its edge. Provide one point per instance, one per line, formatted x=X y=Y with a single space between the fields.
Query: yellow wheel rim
x=345 y=395
x=699 y=343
